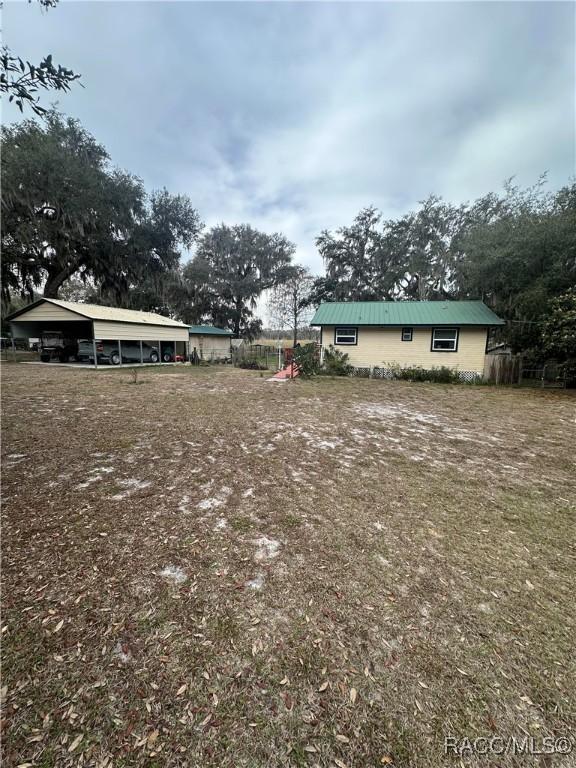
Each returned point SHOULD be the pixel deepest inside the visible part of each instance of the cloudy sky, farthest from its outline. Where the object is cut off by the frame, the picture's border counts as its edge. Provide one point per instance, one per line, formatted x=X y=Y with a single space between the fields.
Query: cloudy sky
x=293 y=116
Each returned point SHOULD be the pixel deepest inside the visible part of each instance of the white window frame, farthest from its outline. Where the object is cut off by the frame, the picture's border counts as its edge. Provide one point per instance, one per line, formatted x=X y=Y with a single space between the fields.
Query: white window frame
x=351 y=335
x=452 y=338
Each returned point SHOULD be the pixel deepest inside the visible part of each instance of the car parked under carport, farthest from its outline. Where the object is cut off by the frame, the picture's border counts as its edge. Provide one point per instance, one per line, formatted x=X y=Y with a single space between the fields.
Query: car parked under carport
x=115 y=335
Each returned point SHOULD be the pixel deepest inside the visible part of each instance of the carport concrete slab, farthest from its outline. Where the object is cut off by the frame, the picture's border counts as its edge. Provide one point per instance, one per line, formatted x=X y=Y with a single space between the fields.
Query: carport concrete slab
x=100 y=367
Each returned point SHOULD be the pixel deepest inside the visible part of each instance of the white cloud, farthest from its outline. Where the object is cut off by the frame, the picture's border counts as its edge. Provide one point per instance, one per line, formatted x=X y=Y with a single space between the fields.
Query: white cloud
x=293 y=116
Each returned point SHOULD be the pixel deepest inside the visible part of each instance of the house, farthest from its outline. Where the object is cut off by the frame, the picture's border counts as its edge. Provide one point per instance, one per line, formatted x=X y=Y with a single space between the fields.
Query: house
x=113 y=333
x=379 y=336
x=210 y=343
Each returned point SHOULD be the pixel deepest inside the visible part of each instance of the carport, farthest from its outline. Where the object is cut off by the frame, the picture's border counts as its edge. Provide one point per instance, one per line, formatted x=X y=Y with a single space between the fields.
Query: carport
x=107 y=334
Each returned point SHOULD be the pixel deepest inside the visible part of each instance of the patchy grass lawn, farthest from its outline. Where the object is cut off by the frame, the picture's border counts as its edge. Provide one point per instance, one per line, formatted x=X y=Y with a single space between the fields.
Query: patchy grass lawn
x=207 y=569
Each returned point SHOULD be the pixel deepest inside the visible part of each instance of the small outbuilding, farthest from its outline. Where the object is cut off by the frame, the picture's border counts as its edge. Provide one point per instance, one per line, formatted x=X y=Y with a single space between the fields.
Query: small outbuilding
x=380 y=336
x=209 y=343
x=98 y=334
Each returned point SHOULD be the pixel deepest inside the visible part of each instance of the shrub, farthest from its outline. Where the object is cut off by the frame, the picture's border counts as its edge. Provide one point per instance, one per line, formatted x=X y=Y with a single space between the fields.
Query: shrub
x=336 y=363
x=306 y=358
x=251 y=365
x=441 y=375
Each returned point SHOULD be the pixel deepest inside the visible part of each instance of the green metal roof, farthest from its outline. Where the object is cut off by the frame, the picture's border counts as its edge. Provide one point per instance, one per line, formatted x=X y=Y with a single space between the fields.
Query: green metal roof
x=208 y=330
x=405 y=313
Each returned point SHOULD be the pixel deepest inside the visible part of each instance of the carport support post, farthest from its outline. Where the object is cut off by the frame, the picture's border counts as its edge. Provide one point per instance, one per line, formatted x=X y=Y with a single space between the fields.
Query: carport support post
x=175 y=350
x=141 y=354
x=159 y=351
x=120 y=350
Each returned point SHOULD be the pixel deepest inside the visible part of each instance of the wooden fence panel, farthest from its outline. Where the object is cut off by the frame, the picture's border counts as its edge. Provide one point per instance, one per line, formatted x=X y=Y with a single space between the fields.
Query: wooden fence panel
x=503 y=369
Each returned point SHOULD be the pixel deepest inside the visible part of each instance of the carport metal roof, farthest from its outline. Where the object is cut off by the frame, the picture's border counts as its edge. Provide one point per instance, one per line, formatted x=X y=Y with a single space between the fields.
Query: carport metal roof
x=100 y=312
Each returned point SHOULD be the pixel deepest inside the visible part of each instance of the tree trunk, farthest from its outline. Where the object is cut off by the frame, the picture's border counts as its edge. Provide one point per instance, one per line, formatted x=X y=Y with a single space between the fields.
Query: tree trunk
x=56 y=278
x=237 y=316
x=295 y=314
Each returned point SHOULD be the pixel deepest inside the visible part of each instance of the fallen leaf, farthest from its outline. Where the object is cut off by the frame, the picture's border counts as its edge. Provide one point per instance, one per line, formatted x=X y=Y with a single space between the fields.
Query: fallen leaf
x=462 y=672
x=288 y=703
x=152 y=737
x=342 y=738
x=75 y=743
x=386 y=760
x=323 y=686
x=353 y=695
x=423 y=685
x=310 y=748
x=181 y=690
x=284 y=681
x=58 y=626
x=529 y=584
x=340 y=763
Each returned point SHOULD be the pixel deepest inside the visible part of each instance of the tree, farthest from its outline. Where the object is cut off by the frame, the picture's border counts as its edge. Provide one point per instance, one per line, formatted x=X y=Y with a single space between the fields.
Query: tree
x=414 y=257
x=422 y=250
x=231 y=269
x=22 y=81
x=289 y=303
x=76 y=289
x=350 y=258
x=559 y=328
x=150 y=273
x=516 y=251
x=67 y=213
x=523 y=259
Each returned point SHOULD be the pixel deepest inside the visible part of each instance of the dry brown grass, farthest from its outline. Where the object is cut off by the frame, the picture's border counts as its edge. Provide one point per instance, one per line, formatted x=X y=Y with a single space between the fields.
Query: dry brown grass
x=207 y=569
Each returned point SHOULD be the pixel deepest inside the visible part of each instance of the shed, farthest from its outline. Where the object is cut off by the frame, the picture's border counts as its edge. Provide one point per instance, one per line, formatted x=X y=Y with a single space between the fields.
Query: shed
x=100 y=333
x=209 y=342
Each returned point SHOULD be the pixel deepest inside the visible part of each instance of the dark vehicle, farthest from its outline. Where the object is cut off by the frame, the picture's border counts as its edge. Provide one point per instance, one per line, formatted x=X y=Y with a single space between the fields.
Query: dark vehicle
x=53 y=346
x=109 y=352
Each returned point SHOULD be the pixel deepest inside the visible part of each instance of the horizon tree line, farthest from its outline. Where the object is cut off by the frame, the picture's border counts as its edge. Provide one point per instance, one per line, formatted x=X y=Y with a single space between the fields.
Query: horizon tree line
x=75 y=226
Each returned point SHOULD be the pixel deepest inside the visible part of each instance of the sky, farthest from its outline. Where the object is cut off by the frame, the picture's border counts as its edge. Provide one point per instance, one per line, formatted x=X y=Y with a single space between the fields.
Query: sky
x=294 y=116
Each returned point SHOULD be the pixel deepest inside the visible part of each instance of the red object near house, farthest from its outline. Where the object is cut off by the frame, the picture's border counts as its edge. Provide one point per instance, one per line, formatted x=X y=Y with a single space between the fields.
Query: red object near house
x=288 y=372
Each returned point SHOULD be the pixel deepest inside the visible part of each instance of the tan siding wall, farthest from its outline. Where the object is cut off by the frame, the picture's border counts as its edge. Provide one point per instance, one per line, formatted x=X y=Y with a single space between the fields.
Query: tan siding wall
x=49 y=311
x=383 y=346
x=218 y=345
x=137 y=331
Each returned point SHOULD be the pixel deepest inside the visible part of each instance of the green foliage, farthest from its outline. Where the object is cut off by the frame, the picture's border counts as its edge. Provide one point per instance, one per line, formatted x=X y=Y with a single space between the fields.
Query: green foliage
x=437 y=375
x=22 y=80
x=335 y=363
x=522 y=260
x=516 y=251
x=352 y=258
x=307 y=359
x=66 y=213
x=232 y=267
x=559 y=330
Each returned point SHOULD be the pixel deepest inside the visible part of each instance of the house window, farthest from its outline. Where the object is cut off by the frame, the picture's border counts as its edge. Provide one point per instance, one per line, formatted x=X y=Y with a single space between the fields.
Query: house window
x=407 y=334
x=444 y=340
x=345 y=335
